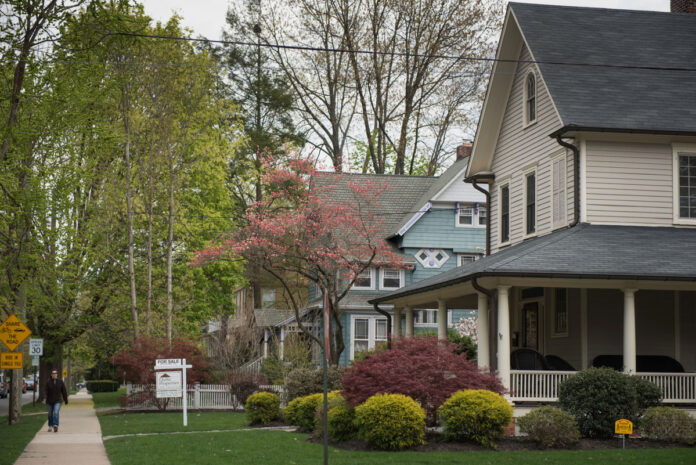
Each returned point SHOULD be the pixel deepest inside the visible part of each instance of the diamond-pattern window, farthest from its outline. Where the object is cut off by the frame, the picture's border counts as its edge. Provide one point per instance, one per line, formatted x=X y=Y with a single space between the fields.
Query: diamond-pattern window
x=432 y=258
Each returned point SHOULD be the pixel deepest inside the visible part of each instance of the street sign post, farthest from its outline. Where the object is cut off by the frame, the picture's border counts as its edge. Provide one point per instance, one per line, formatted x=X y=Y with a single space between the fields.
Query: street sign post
x=170 y=374
x=36 y=346
x=11 y=360
x=13 y=332
x=35 y=360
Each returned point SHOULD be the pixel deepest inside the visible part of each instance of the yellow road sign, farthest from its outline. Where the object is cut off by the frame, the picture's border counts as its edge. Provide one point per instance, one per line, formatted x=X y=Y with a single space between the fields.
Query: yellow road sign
x=623 y=426
x=11 y=360
x=65 y=373
x=13 y=332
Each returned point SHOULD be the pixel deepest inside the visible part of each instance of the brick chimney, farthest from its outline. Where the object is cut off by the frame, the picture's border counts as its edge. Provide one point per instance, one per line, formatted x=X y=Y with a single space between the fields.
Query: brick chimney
x=682 y=6
x=464 y=150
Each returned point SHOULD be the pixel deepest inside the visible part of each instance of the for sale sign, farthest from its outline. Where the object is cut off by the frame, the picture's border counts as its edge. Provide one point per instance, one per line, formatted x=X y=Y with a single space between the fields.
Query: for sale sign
x=169 y=384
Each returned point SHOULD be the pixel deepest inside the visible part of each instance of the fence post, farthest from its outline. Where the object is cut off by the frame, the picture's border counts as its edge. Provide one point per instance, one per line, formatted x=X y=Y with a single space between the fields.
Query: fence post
x=197 y=396
x=129 y=389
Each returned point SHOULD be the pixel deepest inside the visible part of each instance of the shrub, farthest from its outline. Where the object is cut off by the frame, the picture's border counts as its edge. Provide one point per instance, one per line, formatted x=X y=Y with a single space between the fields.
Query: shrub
x=421 y=367
x=262 y=408
x=475 y=414
x=301 y=411
x=102 y=385
x=464 y=344
x=341 y=420
x=243 y=384
x=550 y=427
x=669 y=424
x=647 y=395
x=391 y=421
x=304 y=381
x=272 y=369
x=597 y=397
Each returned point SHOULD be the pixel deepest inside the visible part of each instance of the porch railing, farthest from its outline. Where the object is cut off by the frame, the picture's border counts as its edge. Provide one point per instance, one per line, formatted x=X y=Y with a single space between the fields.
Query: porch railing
x=199 y=396
x=542 y=386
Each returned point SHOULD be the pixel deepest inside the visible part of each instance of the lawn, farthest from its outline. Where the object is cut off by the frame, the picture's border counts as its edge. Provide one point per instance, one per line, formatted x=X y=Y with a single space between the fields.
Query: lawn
x=277 y=447
x=107 y=399
x=15 y=438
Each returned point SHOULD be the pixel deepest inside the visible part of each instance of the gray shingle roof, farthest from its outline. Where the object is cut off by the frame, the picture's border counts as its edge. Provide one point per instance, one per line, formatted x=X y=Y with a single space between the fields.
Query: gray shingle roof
x=650 y=100
x=585 y=251
x=266 y=317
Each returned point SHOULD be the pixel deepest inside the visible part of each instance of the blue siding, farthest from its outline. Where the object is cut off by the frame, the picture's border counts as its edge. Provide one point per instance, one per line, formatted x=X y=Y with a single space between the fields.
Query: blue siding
x=436 y=229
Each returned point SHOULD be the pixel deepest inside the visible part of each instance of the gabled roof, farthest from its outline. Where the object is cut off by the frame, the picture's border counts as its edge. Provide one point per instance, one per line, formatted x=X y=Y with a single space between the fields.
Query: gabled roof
x=267 y=317
x=634 y=74
x=585 y=251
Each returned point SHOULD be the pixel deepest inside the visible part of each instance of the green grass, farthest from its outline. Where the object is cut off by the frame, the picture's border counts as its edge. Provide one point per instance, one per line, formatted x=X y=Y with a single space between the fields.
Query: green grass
x=107 y=399
x=169 y=422
x=14 y=438
x=276 y=447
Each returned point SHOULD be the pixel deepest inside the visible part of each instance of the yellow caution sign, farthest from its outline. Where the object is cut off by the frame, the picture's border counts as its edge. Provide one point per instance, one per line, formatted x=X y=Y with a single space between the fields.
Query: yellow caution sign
x=65 y=373
x=13 y=332
x=11 y=360
x=623 y=426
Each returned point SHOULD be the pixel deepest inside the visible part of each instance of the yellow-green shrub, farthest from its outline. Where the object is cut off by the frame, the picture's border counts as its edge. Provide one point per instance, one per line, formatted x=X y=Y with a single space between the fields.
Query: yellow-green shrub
x=301 y=411
x=262 y=408
x=391 y=421
x=550 y=427
x=341 y=420
x=669 y=424
x=475 y=414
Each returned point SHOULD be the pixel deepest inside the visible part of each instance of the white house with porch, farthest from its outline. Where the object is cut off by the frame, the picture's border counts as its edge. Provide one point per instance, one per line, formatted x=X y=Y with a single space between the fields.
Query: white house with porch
x=587 y=148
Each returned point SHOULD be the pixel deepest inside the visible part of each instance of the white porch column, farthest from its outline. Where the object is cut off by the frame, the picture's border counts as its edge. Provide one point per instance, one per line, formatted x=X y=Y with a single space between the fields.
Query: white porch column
x=409 y=321
x=504 y=335
x=629 y=331
x=265 y=344
x=441 y=319
x=281 y=355
x=397 y=322
x=482 y=331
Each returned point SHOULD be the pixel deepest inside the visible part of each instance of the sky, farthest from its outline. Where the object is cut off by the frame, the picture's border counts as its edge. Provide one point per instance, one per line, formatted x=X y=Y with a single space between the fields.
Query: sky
x=207 y=17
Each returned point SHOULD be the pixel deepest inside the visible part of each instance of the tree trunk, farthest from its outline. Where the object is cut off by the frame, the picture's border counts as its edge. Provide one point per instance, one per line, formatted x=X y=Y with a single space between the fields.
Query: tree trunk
x=148 y=303
x=170 y=247
x=129 y=208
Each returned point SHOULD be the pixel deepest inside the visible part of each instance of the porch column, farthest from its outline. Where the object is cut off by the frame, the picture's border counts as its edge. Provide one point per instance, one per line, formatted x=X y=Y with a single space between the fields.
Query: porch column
x=281 y=353
x=409 y=321
x=482 y=325
x=397 y=322
x=629 y=331
x=504 y=335
x=265 y=344
x=441 y=319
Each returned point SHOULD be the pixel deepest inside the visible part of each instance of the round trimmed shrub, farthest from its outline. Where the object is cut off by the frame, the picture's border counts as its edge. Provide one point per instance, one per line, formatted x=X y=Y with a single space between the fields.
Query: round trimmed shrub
x=550 y=427
x=391 y=421
x=669 y=424
x=475 y=414
x=262 y=408
x=341 y=420
x=302 y=411
x=302 y=381
x=597 y=397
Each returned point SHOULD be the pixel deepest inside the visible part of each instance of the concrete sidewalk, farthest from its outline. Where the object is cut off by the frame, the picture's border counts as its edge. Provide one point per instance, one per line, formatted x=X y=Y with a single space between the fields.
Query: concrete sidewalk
x=77 y=442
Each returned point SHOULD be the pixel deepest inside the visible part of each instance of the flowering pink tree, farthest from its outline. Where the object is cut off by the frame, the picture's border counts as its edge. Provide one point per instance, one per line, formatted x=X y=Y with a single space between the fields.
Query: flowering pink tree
x=318 y=226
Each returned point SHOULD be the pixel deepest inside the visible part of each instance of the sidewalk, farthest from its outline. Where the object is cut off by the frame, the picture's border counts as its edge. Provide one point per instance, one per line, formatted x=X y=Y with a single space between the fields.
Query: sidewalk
x=78 y=441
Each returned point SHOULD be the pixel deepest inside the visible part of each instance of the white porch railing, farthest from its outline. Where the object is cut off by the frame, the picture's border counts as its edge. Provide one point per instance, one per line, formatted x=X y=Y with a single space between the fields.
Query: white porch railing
x=542 y=386
x=536 y=386
x=200 y=396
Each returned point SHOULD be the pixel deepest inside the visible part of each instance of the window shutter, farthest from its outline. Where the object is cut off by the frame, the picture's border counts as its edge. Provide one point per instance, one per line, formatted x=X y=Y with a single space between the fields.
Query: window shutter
x=559 y=194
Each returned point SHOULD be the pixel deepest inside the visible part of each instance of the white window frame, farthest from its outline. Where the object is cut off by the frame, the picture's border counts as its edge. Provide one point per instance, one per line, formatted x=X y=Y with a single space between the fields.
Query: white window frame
x=431 y=253
x=423 y=311
x=402 y=276
x=532 y=170
x=527 y=120
x=475 y=214
x=475 y=257
x=562 y=178
x=371 y=331
x=501 y=186
x=371 y=287
x=685 y=149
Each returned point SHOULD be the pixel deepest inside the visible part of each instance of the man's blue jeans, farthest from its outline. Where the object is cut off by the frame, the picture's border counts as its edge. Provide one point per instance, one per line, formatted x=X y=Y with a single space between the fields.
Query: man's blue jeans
x=53 y=411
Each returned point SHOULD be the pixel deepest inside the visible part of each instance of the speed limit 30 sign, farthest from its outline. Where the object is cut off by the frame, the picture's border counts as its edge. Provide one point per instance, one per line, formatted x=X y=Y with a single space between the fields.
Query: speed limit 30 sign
x=35 y=346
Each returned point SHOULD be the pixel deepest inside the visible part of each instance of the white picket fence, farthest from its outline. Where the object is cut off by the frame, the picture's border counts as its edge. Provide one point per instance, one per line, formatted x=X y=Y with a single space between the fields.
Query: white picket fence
x=199 y=396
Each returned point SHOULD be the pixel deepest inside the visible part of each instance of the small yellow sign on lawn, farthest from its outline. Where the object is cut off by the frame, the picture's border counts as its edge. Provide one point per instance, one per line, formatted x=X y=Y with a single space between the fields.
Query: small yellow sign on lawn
x=13 y=332
x=623 y=427
x=11 y=360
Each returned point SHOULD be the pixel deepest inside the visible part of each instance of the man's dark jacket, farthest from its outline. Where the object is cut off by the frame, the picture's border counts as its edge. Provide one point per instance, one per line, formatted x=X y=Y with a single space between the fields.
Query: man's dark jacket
x=54 y=389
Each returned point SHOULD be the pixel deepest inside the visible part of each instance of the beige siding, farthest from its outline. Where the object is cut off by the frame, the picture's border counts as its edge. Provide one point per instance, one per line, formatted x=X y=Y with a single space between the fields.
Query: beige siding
x=629 y=183
x=517 y=148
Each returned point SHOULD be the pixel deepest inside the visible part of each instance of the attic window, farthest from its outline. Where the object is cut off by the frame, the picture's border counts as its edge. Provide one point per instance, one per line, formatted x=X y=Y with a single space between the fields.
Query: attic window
x=432 y=258
x=530 y=99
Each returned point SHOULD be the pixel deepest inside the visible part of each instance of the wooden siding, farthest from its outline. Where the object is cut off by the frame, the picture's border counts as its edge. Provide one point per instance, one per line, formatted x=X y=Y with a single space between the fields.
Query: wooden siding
x=629 y=183
x=517 y=148
x=437 y=230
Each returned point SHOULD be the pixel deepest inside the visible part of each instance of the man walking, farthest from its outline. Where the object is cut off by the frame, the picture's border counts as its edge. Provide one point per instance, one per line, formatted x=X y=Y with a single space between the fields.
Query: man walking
x=55 y=389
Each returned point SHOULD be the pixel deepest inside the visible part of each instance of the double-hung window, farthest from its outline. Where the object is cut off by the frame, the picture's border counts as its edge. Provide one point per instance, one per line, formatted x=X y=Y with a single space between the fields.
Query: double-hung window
x=365 y=280
x=558 y=190
x=530 y=99
x=471 y=215
x=530 y=202
x=368 y=331
x=505 y=213
x=685 y=184
x=391 y=279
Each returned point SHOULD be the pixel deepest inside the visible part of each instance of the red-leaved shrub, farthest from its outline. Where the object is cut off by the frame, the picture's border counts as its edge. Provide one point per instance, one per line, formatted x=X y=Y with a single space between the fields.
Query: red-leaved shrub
x=422 y=368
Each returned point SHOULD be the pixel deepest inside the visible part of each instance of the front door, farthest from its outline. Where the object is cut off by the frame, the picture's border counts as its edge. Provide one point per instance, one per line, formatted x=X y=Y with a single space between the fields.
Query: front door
x=530 y=333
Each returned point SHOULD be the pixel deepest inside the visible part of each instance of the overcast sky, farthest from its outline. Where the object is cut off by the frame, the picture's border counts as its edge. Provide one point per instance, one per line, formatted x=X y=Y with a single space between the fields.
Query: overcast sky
x=207 y=17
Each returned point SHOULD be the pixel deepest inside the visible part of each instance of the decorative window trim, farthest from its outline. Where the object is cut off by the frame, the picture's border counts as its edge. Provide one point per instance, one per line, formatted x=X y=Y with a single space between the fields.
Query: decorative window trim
x=402 y=276
x=475 y=215
x=525 y=174
x=556 y=330
x=372 y=282
x=559 y=157
x=527 y=121
x=372 y=339
x=684 y=149
x=430 y=261
x=500 y=213
x=475 y=257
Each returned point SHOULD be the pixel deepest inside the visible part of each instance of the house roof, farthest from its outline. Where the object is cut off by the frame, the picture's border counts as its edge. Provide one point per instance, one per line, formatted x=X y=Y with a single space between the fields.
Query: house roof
x=584 y=251
x=637 y=72
x=266 y=317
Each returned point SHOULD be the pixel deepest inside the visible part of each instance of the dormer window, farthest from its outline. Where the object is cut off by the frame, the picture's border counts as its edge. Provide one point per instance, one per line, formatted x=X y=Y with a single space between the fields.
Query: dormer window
x=530 y=99
x=471 y=215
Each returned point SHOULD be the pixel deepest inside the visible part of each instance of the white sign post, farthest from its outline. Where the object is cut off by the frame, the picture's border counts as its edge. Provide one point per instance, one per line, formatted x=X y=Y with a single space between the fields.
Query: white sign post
x=172 y=382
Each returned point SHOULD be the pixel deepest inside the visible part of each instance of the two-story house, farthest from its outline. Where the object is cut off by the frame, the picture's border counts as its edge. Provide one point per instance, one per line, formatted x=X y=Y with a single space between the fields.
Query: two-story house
x=586 y=146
